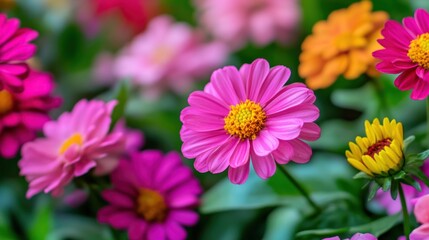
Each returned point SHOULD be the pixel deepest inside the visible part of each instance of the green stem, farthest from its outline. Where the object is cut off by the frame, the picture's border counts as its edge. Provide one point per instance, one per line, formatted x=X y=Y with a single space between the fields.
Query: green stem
x=406 y=217
x=299 y=187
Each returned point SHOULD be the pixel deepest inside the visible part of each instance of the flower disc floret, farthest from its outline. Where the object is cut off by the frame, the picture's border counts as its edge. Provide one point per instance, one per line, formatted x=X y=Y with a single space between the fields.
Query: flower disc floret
x=245 y=120
x=380 y=152
x=419 y=50
x=151 y=205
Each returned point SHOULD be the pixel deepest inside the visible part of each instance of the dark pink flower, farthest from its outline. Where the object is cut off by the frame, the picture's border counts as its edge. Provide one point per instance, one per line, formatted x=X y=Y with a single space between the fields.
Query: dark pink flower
x=14 y=50
x=73 y=145
x=152 y=197
x=406 y=53
x=245 y=116
x=23 y=114
x=357 y=236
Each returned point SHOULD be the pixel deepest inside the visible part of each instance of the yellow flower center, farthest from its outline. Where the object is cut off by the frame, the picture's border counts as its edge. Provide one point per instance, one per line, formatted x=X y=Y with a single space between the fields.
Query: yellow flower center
x=151 y=205
x=6 y=102
x=245 y=120
x=74 y=139
x=419 y=50
x=378 y=147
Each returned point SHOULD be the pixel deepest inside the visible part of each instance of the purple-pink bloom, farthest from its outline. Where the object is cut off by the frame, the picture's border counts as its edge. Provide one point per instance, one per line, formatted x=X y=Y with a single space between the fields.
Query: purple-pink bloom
x=73 y=145
x=14 y=50
x=168 y=54
x=394 y=206
x=357 y=236
x=260 y=21
x=421 y=212
x=23 y=114
x=245 y=116
x=405 y=53
x=153 y=197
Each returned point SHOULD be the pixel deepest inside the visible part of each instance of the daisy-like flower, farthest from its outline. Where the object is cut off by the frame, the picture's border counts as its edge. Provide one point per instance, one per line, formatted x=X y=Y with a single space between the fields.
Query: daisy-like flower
x=147 y=201
x=380 y=152
x=245 y=116
x=23 y=114
x=342 y=45
x=14 y=50
x=405 y=53
x=168 y=54
x=74 y=144
x=261 y=21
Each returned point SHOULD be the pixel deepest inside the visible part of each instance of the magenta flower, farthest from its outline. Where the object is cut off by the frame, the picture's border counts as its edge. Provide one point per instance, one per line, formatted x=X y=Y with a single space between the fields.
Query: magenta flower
x=14 y=50
x=357 y=236
x=23 y=114
x=245 y=116
x=394 y=206
x=406 y=53
x=168 y=54
x=74 y=144
x=421 y=211
x=152 y=197
x=261 y=21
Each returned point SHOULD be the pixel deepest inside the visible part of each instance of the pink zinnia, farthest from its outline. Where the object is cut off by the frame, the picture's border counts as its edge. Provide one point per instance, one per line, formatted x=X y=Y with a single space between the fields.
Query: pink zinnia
x=406 y=53
x=168 y=54
x=247 y=115
x=394 y=206
x=74 y=144
x=14 y=50
x=23 y=114
x=261 y=21
x=152 y=197
x=421 y=212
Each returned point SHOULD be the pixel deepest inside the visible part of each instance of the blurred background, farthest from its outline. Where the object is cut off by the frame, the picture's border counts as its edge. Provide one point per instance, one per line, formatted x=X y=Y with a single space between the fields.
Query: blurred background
x=97 y=48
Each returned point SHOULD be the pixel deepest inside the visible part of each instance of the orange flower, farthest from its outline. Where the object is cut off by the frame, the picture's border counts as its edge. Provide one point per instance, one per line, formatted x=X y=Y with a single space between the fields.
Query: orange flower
x=342 y=45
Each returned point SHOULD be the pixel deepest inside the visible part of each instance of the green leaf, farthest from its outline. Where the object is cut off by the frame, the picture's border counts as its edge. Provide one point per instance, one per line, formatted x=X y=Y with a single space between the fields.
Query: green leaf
x=42 y=223
x=408 y=141
x=394 y=190
x=276 y=227
x=256 y=193
x=121 y=95
x=386 y=185
x=373 y=188
x=412 y=182
x=6 y=232
x=377 y=228
x=77 y=227
x=361 y=175
x=419 y=174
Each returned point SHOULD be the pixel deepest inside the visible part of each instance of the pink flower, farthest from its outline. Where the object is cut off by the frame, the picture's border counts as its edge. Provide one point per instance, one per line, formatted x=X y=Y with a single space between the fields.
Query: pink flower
x=74 y=144
x=261 y=21
x=152 y=197
x=357 y=236
x=14 y=50
x=405 y=53
x=245 y=116
x=421 y=211
x=23 y=114
x=394 y=206
x=168 y=54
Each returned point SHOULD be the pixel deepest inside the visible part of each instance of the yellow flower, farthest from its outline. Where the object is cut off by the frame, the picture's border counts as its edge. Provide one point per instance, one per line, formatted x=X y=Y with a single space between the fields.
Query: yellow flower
x=342 y=45
x=380 y=152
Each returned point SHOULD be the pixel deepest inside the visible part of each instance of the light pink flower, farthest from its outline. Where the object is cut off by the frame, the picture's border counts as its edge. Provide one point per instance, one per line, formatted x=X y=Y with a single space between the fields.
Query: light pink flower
x=14 y=50
x=74 y=144
x=168 y=54
x=23 y=114
x=245 y=116
x=394 y=206
x=357 y=236
x=405 y=53
x=152 y=197
x=261 y=21
x=421 y=211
